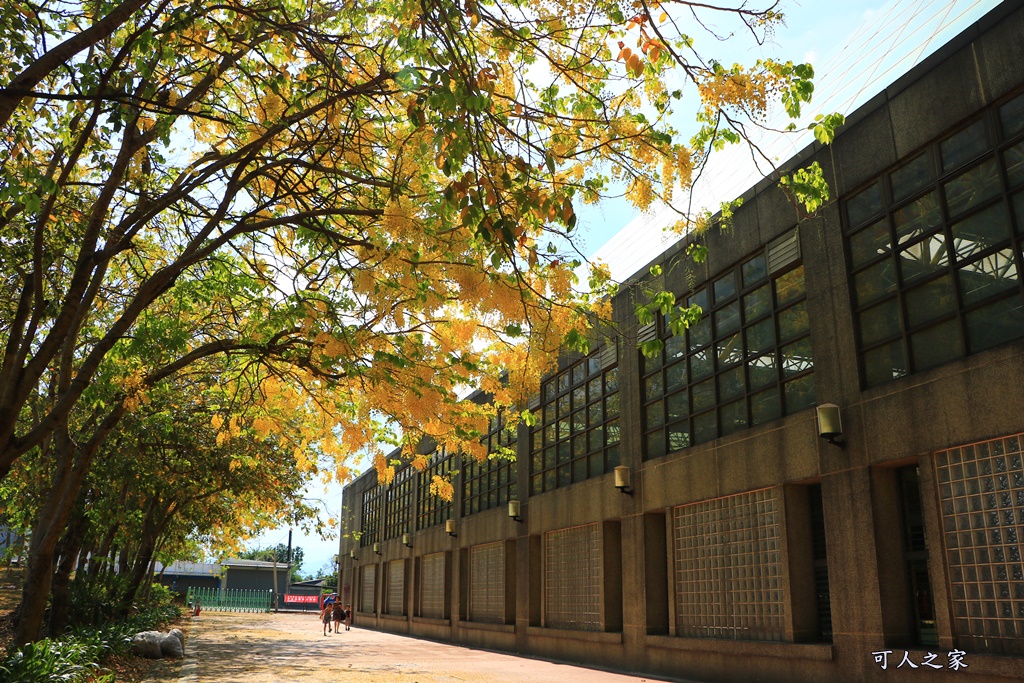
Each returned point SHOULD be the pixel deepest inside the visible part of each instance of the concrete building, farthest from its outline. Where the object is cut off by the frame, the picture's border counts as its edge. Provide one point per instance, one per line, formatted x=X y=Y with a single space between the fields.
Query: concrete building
x=746 y=546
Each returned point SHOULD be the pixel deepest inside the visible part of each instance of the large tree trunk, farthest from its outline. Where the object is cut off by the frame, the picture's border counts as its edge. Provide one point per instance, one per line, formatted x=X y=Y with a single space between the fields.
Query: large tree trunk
x=51 y=522
x=153 y=526
x=69 y=548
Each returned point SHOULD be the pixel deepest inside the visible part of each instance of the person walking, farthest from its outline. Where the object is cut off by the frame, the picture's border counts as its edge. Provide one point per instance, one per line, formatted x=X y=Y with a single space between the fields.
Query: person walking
x=337 y=615
x=326 y=612
x=348 y=617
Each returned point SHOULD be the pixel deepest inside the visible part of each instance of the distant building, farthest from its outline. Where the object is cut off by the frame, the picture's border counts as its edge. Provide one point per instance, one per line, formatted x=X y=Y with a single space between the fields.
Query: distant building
x=232 y=573
x=749 y=535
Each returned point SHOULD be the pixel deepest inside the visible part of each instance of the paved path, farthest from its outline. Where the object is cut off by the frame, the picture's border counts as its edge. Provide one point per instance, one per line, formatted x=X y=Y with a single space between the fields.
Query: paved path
x=286 y=648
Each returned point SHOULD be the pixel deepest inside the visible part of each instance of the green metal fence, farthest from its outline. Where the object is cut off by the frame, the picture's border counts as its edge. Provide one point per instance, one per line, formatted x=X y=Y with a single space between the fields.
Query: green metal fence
x=231 y=599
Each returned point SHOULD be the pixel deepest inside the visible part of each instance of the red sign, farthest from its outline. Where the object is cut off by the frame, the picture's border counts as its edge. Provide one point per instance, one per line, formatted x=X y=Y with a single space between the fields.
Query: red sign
x=314 y=599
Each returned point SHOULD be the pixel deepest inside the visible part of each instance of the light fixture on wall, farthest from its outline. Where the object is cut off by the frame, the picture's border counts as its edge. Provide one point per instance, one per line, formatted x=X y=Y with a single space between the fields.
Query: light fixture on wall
x=407 y=540
x=830 y=424
x=514 y=509
x=623 y=481
x=449 y=527
x=376 y=548
x=352 y=554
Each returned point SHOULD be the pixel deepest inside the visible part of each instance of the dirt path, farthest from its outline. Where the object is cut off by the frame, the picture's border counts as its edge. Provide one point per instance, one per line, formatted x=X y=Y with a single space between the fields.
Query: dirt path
x=286 y=648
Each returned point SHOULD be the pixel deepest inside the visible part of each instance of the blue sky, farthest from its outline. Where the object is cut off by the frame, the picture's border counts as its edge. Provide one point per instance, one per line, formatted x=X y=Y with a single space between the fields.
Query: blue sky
x=888 y=38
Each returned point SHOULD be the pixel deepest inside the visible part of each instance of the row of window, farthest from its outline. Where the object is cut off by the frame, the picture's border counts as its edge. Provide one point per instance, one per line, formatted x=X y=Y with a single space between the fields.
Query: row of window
x=577 y=434
x=747 y=361
x=936 y=253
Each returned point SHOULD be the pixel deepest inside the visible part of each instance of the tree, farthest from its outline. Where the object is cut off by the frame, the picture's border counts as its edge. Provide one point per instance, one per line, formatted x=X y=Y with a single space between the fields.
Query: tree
x=365 y=201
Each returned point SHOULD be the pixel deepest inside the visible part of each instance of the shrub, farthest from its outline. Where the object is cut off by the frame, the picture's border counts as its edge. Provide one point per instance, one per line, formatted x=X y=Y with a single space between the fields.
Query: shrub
x=67 y=660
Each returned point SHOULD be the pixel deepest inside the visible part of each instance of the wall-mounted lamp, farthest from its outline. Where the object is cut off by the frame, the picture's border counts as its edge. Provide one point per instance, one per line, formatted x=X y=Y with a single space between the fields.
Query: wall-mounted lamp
x=376 y=548
x=352 y=554
x=623 y=480
x=830 y=424
x=449 y=527
x=514 y=509
x=407 y=540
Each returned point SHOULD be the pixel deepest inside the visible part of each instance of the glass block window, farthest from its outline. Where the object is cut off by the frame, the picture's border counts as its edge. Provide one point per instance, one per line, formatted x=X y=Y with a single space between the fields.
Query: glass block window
x=491 y=483
x=432 y=508
x=747 y=361
x=487 y=583
x=398 y=503
x=373 y=514
x=728 y=568
x=369 y=586
x=981 y=498
x=396 y=587
x=572 y=578
x=577 y=433
x=935 y=250
x=432 y=586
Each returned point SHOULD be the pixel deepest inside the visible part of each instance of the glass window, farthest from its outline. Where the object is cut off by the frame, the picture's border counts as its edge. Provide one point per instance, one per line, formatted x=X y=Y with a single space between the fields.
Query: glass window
x=1011 y=117
x=988 y=276
x=963 y=146
x=972 y=188
x=762 y=371
x=931 y=300
x=700 y=297
x=725 y=288
x=793 y=321
x=727 y=319
x=877 y=281
x=765 y=406
x=611 y=406
x=796 y=358
x=700 y=333
x=730 y=384
x=911 y=177
x=995 y=324
x=655 y=413
x=655 y=444
x=754 y=271
x=700 y=365
x=923 y=258
x=800 y=393
x=884 y=364
x=864 y=205
x=870 y=243
x=703 y=395
x=760 y=337
x=705 y=427
x=733 y=331
x=918 y=218
x=959 y=248
x=675 y=376
x=733 y=417
x=728 y=351
x=880 y=323
x=790 y=286
x=676 y=406
x=653 y=387
x=757 y=303
x=678 y=437
x=1013 y=160
x=981 y=231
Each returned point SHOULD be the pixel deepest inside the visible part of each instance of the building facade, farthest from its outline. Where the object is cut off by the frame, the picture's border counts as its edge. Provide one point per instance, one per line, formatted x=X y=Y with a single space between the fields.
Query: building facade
x=746 y=546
